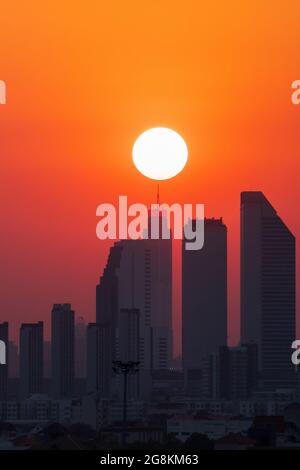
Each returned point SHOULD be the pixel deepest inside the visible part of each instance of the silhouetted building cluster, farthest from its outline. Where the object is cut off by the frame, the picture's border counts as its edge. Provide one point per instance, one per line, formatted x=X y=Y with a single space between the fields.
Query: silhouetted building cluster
x=134 y=323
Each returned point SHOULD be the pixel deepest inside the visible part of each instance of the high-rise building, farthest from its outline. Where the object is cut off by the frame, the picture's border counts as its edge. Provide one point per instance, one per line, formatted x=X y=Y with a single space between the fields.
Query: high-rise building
x=145 y=283
x=80 y=348
x=267 y=289
x=62 y=358
x=4 y=367
x=31 y=359
x=204 y=301
x=102 y=336
x=13 y=363
x=99 y=360
x=238 y=369
x=210 y=377
x=138 y=275
x=107 y=289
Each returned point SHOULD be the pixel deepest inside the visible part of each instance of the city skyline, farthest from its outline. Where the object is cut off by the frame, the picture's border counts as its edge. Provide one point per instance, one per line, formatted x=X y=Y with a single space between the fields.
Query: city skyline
x=123 y=287
x=118 y=373
x=149 y=188
x=14 y=332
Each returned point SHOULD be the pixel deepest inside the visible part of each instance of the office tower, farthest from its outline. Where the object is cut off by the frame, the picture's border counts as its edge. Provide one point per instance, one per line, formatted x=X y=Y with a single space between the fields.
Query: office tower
x=238 y=368
x=104 y=336
x=107 y=289
x=107 y=294
x=210 y=377
x=99 y=360
x=161 y=342
x=13 y=363
x=62 y=357
x=145 y=282
x=138 y=275
x=31 y=359
x=267 y=289
x=80 y=348
x=4 y=356
x=204 y=301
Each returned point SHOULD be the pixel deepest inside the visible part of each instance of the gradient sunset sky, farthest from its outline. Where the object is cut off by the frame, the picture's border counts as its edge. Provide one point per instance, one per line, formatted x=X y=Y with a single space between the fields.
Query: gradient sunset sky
x=85 y=78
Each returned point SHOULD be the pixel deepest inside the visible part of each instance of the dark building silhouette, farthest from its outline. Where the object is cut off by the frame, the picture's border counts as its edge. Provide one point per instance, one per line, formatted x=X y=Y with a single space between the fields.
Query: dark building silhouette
x=99 y=359
x=31 y=359
x=145 y=283
x=204 y=302
x=103 y=336
x=138 y=275
x=107 y=289
x=47 y=359
x=13 y=363
x=80 y=348
x=267 y=289
x=4 y=367
x=238 y=369
x=210 y=377
x=62 y=357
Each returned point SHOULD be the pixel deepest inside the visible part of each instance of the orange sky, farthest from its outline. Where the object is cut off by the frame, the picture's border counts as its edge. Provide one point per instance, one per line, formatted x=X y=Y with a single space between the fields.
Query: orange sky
x=84 y=80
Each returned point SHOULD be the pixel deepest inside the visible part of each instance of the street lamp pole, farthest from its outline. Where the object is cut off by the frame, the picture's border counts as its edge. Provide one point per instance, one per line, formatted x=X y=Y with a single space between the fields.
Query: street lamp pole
x=125 y=368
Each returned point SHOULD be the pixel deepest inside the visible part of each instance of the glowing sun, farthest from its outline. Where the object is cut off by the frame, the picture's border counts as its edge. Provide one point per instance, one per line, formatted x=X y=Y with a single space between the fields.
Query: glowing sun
x=160 y=153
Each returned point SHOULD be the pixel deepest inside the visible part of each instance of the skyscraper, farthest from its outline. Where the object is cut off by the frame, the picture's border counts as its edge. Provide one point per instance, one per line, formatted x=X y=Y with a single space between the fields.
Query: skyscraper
x=62 y=359
x=267 y=289
x=138 y=275
x=80 y=348
x=99 y=359
x=238 y=371
x=107 y=289
x=4 y=367
x=102 y=336
x=145 y=283
x=31 y=359
x=204 y=300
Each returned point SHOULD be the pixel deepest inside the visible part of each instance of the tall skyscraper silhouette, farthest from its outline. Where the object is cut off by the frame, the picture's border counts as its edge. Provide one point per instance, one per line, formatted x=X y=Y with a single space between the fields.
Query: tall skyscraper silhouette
x=204 y=300
x=62 y=358
x=138 y=275
x=238 y=371
x=103 y=336
x=80 y=348
x=145 y=283
x=267 y=289
x=4 y=367
x=99 y=359
x=31 y=359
